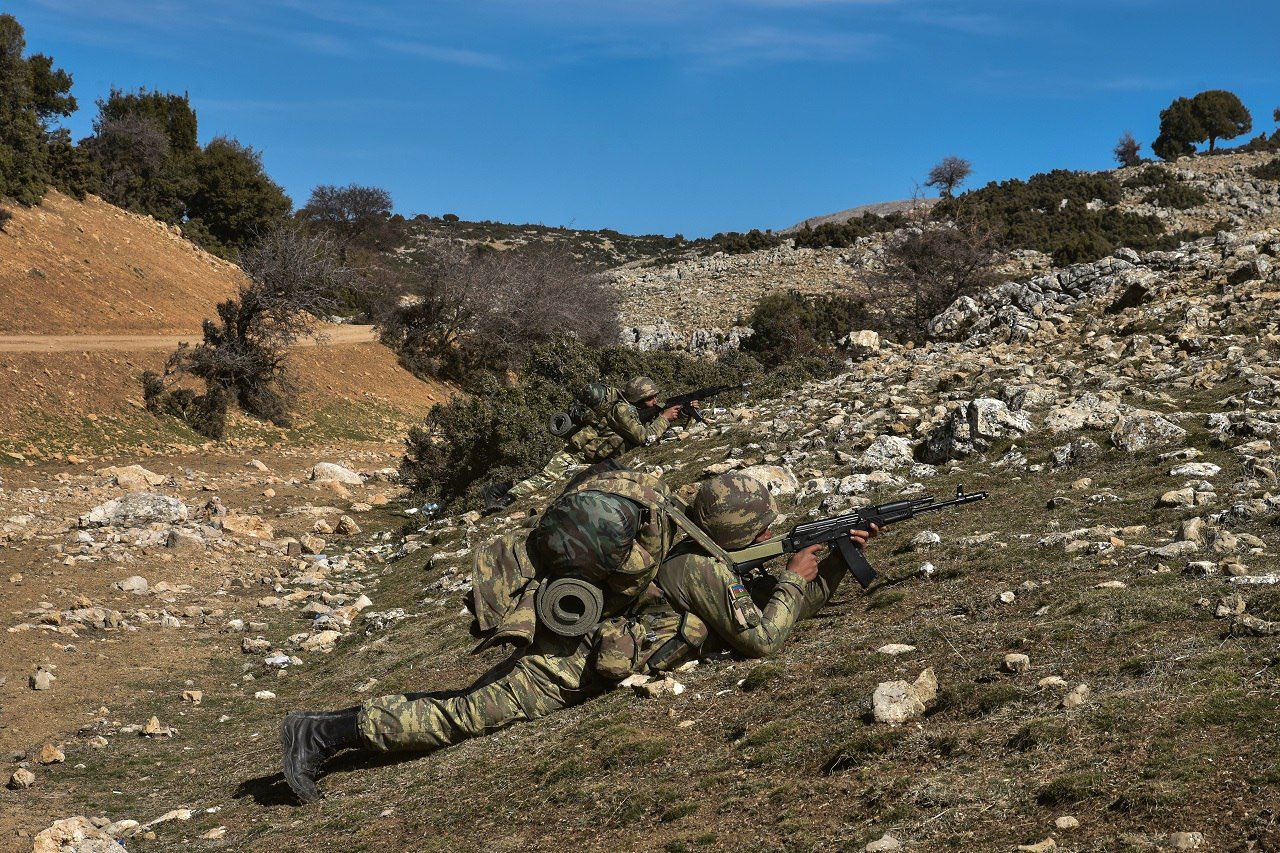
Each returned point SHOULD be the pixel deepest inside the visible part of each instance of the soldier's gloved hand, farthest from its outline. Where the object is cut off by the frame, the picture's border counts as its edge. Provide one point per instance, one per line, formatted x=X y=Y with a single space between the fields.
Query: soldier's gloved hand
x=805 y=562
x=671 y=412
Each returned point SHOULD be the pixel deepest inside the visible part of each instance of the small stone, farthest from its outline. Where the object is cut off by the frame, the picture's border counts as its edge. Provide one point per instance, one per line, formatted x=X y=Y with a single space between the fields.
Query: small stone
x=1016 y=662
x=661 y=687
x=883 y=844
x=1008 y=597
x=1066 y=822
x=1077 y=697
x=1052 y=681
x=264 y=694
x=21 y=779
x=347 y=526
x=897 y=702
x=925 y=539
x=895 y=649
x=50 y=754
x=154 y=728
x=1111 y=585
x=311 y=544
x=256 y=465
x=1039 y=846
x=268 y=493
x=195 y=697
x=1186 y=840
x=216 y=832
x=42 y=679
x=135 y=584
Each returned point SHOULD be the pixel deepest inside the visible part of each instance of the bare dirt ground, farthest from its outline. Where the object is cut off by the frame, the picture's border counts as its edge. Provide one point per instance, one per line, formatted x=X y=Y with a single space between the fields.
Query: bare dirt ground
x=47 y=570
x=331 y=335
x=70 y=267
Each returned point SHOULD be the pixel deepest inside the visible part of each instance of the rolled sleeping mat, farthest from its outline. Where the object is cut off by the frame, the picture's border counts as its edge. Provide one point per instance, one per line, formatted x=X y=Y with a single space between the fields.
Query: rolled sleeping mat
x=561 y=424
x=569 y=607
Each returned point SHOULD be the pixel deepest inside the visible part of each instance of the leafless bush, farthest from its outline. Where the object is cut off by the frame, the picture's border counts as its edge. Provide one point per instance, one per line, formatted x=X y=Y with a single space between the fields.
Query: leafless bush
x=290 y=281
x=485 y=311
x=929 y=270
x=949 y=173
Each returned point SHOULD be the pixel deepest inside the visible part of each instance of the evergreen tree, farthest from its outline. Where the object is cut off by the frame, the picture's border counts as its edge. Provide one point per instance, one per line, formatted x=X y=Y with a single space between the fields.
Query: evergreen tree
x=1180 y=130
x=234 y=199
x=1222 y=115
x=172 y=113
x=32 y=94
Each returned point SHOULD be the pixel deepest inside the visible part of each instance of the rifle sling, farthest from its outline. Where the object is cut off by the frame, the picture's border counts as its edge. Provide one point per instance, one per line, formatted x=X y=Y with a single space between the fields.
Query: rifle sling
x=696 y=533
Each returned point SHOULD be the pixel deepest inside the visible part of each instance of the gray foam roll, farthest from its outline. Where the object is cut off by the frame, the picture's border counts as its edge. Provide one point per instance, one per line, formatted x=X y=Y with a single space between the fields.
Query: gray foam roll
x=569 y=607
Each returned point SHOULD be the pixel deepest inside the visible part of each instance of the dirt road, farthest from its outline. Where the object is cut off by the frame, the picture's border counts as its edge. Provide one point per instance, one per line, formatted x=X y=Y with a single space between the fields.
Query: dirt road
x=337 y=334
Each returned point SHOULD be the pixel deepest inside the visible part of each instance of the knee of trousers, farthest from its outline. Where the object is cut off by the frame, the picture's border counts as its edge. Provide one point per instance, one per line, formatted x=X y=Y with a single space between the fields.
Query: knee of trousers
x=401 y=723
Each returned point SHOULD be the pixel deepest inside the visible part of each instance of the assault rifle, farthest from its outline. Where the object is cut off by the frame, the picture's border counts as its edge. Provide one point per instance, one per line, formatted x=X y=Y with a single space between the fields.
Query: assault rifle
x=686 y=402
x=836 y=529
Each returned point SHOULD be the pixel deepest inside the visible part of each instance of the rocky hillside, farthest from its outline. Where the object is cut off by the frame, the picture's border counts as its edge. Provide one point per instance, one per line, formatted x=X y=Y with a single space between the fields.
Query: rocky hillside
x=1087 y=660
x=695 y=303
x=596 y=249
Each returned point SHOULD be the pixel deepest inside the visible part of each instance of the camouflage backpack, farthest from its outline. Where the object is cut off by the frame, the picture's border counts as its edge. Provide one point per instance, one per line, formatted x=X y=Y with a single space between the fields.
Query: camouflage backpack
x=593 y=441
x=610 y=531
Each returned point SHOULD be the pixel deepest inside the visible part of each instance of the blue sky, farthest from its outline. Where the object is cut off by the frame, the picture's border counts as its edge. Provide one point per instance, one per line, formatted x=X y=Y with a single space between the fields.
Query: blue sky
x=669 y=116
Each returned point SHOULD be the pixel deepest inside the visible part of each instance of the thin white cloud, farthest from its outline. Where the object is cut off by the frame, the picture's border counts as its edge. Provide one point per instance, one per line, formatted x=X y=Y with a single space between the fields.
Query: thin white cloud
x=449 y=55
x=773 y=44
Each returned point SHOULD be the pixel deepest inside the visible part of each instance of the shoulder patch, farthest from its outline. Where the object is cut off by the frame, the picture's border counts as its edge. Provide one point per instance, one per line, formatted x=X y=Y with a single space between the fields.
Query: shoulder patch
x=745 y=613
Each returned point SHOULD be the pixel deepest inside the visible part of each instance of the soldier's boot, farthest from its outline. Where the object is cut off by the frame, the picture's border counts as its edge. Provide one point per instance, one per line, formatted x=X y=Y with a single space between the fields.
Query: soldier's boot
x=310 y=739
x=497 y=497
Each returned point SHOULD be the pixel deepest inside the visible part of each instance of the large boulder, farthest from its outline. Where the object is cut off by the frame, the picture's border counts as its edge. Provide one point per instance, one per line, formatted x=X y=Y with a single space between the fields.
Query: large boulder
x=329 y=472
x=1088 y=411
x=778 y=479
x=887 y=451
x=972 y=428
x=136 y=510
x=75 y=835
x=1144 y=430
x=133 y=478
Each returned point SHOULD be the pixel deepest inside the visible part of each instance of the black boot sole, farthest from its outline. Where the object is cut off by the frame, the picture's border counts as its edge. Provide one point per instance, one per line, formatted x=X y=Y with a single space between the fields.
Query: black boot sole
x=303 y=788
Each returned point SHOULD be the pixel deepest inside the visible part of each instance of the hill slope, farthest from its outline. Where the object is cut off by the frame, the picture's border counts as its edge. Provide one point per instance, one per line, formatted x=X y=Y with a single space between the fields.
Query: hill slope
x=71 y=267
x=1125 y=551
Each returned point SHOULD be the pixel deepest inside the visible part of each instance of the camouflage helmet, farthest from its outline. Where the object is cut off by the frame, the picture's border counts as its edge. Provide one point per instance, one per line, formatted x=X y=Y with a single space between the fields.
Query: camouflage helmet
x=640 y=389
x=733 y=509
x=594 y=396
x=587 y=534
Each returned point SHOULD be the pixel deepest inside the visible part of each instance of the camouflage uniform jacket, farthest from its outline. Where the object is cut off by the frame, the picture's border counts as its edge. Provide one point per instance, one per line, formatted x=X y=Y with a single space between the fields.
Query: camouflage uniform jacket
x=616 y=429
x=753 y=619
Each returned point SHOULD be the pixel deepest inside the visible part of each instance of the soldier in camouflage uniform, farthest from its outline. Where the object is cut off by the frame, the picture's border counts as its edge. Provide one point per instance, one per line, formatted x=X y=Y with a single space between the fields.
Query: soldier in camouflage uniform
x=736 y=510
x=551 y=671
x=616 y=429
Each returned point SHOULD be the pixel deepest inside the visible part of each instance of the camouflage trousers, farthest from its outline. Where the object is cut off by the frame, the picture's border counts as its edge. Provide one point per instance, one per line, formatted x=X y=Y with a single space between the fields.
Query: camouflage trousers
x=560 y=467
x=551 y=674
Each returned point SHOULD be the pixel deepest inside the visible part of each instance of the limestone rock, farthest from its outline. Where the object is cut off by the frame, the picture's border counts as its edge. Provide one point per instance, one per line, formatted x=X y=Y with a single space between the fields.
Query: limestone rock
x=1016 y=662
x=247 y=525
x=50 y=754
x=778 y=479
x=884 y=844
x=331 y=472
x=347 y=526
x=897 y=702
x=136 y=510
x=75 y=835
x=886 y=452
x=21 y=779
x=134 y=478
x=42 y=679
x=1144 y=430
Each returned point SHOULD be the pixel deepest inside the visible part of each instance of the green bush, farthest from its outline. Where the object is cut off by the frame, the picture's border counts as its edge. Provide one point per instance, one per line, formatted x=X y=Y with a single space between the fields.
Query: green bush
x=498 y=429
x=5 y=216
x=842 y=235
x=1177 y=196
x=1050 y=212
x=790 y=324
x=736 y=243
x=1269 y=171
x=1152 y=176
